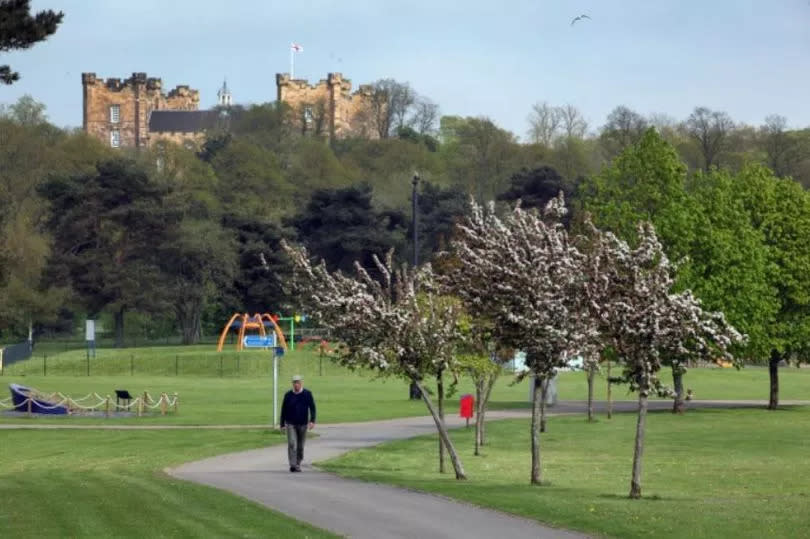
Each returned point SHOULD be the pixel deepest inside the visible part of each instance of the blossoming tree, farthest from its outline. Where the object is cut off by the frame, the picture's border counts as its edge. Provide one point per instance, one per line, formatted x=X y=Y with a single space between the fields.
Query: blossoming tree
x=629 y=293
x=522 y=272
x=397 y=323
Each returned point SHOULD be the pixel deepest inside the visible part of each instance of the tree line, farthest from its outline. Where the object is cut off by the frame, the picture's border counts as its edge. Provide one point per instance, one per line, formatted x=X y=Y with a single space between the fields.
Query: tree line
x=170 y=238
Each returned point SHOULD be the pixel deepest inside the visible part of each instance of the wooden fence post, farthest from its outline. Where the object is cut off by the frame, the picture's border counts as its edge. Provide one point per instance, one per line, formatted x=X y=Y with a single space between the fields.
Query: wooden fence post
x=107 y=407
x=29 y=405
x=140 y=406
x=176 y=402
x=163 y=403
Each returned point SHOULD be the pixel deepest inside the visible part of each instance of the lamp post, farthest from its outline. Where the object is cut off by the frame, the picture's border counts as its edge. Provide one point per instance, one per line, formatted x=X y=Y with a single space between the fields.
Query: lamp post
x=414 y=207
x=413 y=391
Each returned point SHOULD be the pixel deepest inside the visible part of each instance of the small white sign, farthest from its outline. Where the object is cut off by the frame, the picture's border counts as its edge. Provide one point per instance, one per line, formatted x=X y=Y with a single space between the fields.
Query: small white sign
x=90 y=330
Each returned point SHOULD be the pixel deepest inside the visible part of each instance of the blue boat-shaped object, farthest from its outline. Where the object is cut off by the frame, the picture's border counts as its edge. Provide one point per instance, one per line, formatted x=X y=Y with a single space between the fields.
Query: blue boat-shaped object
x=19 y=396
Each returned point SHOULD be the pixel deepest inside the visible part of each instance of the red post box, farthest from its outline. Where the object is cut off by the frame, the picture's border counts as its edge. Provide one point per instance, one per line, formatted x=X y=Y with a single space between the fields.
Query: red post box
x=465 y=407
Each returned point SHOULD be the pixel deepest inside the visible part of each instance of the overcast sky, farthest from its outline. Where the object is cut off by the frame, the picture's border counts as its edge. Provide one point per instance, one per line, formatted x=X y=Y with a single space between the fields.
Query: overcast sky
x=474 y=57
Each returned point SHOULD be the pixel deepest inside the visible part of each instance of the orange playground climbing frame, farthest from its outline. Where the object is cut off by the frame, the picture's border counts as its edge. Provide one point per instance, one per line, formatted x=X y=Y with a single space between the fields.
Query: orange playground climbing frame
x=251 y=322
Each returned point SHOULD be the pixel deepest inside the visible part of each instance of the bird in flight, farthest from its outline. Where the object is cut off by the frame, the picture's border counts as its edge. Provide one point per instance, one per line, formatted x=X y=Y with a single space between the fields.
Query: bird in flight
x=580 y=18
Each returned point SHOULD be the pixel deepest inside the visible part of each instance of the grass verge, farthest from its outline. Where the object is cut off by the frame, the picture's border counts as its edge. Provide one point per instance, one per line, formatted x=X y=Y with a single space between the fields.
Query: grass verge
x=708 y=474
x=243 y=394
x=111 y=484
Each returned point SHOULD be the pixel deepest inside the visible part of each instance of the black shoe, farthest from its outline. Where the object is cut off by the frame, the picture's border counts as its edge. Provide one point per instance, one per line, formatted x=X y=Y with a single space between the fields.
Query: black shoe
x=294 y=469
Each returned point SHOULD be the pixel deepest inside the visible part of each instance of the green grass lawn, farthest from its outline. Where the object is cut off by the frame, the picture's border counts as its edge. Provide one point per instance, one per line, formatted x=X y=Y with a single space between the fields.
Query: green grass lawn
x=111 y=484
x=707 y=474
x=243 y=394
x=749 y=383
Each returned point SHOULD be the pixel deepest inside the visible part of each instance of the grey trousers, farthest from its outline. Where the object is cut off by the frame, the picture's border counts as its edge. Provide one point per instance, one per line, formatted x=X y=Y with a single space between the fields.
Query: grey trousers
x=296 y=437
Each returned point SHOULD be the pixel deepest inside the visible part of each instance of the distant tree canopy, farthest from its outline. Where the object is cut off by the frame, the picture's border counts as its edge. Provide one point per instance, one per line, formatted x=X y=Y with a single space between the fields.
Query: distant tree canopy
x=85 y=229
x=342 y=226
x=20 y=30
x=534 y=188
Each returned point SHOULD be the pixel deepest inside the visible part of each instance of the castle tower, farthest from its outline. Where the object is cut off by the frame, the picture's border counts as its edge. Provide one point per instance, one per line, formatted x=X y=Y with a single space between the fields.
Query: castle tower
x=117 y=111
x=329 y=107
x=224 y=98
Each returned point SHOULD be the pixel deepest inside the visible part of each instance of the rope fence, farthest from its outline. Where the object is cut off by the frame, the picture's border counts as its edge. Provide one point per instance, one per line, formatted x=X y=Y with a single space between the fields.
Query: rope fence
x=141 y=403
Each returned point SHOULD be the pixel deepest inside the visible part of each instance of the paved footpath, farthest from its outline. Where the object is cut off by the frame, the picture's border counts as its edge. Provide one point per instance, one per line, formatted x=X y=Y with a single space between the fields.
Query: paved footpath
x=368 y=510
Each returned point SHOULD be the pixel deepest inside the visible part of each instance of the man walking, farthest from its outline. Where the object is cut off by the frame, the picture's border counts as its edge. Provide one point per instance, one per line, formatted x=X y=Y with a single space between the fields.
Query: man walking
x=297 y=414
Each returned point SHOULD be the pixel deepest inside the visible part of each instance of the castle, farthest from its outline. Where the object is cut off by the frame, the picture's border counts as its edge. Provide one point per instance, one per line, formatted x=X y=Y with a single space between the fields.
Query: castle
x=136 y=113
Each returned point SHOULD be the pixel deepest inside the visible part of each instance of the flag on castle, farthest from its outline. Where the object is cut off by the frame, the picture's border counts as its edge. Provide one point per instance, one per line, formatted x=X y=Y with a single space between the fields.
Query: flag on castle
x=294 y=47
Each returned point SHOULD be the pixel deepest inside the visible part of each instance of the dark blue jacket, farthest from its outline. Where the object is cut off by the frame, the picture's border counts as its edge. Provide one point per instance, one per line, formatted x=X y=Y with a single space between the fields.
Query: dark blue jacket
x=296 y=408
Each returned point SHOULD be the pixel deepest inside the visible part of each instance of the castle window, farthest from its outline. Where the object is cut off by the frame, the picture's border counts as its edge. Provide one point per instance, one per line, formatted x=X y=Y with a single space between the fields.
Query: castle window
x=115 y=138
x=115 y=114
x=308 y=115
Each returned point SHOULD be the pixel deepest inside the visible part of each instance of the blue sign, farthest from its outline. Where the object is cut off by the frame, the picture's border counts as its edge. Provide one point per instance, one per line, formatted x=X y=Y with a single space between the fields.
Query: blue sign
x=257 y=341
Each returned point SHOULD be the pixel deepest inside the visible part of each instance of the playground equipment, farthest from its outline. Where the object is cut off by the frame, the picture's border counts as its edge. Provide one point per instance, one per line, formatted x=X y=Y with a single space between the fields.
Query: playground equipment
x=292 y=320
x=256 y=322
x=26 y=399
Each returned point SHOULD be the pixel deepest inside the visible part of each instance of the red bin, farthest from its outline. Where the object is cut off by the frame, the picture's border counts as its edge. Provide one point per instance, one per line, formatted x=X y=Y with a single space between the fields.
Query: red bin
x=465 y=406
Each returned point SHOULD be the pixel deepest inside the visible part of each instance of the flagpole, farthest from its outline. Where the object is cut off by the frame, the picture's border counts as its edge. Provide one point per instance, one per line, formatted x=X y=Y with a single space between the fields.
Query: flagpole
x=292 y=62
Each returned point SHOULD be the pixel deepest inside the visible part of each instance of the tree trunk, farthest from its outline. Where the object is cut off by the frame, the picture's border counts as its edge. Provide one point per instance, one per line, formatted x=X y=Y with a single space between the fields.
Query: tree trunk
x=440 y=398
x=484 y=404
x=190 y=325
x=591 y=376
x=609 y=393
x=119 y=328
x=543 y=391
x=189 y=315
x=773 y=371
x=478 y=421
x=483 y=390
x=440 y=426
x=635 y=483
x=537 y=475
x=679 y=406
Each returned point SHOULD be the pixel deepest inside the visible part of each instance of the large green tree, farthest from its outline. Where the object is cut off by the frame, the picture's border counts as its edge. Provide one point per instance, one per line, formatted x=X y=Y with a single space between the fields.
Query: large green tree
x=198 y=261
x=197 y=258
x=780 y=210
x=439 y=210
x=646 y=182
x=107 y=226
x=263 y=268
x=342 y=226
x=705 y=228
x=30 y=150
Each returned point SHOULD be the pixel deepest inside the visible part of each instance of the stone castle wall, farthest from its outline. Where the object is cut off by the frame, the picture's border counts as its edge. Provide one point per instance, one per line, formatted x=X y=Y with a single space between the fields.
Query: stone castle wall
x=136 y=97
x=335 y=110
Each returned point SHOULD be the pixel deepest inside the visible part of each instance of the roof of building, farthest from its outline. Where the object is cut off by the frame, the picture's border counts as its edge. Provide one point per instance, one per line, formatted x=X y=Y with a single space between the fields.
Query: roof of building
x=183 y=121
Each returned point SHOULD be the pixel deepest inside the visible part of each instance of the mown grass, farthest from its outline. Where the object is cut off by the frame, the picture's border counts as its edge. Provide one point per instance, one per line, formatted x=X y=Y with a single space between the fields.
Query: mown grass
x=707 y=474
x=243 y=394
x=110 y=484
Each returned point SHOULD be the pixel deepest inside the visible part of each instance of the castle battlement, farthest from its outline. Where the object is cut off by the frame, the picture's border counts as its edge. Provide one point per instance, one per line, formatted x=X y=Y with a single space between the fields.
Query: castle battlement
x=137 y=81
